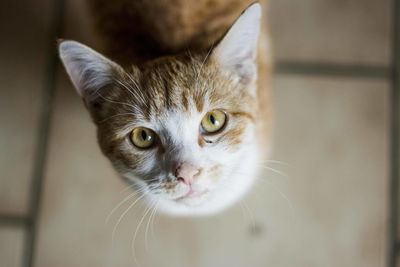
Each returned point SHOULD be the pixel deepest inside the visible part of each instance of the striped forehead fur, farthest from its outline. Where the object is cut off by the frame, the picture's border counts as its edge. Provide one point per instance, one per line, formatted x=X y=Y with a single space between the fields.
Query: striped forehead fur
x=173 y=83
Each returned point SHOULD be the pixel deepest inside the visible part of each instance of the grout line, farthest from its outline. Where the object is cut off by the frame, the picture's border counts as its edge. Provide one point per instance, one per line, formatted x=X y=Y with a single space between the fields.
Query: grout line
x=43 y=134
x=328 y=69
x=14 y=220
x=394 y=137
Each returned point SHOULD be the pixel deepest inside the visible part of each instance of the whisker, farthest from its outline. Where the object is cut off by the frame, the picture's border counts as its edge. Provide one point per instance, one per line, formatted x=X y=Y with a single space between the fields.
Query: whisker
x=122 y=216
x=250 y=213
x=275 y=171
x=153 y=220
x=130 y=186
x=273 y=186
x=242 y=209
x=246 y=212
x=119 y=205
x=204 y=60
x=117 y=115
x=148 y=224
x=288 y=201
x=135 y=234
x=116 y=102
x=137 y=96
x=197 y=84
x=139 y=92
x=276 y=161
x=129 y=178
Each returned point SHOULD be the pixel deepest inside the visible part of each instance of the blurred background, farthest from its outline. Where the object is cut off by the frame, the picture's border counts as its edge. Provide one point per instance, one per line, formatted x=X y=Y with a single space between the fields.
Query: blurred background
x=329 y=200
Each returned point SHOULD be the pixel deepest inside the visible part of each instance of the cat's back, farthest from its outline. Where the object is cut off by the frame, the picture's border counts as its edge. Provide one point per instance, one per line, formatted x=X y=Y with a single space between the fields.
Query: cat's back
x=145 y=29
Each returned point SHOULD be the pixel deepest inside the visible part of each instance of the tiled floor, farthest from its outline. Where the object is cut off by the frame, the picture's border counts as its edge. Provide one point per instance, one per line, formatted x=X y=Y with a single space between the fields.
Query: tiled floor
x=328 y=209
x=23 y=73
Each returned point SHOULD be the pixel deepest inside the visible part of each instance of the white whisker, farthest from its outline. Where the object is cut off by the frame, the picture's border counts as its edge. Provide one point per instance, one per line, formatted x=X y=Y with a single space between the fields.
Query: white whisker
x=137 y=96
x=204 y=60
x=290 y=204
x=276 y=161
x=273 y=186
x=153 y=220
x=123 y=214
x=119 y=205
x=116 y=102
x=148 y=224
x=139 y=92
x=117 y=115
x=135 y=234
x=275 y=171
x=249 y=212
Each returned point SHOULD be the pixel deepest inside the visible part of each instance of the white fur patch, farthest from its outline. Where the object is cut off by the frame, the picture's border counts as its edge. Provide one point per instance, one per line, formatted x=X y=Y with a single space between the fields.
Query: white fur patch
x=238 y=169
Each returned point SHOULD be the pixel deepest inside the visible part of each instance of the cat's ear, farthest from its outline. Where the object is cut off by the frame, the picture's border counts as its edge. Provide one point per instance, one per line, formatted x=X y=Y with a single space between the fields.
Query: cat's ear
x=88 y=70
x=237 y=51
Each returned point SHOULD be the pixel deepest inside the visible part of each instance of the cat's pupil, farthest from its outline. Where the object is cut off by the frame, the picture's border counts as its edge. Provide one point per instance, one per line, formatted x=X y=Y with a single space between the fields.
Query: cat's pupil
x=144 y=135
x=212 y=119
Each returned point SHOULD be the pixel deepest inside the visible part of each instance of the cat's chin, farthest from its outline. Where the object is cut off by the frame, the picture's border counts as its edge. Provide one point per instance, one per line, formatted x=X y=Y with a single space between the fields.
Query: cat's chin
x=195 y=206
x=193 y=199
x=209 y=203
x=201 y=205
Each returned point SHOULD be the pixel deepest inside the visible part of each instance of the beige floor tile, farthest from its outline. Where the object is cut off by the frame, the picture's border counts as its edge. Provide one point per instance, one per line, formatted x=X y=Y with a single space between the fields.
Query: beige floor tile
x=345 y=31
x=330 y=211
x=11 y=246
x=334 y=135
x=23 y=53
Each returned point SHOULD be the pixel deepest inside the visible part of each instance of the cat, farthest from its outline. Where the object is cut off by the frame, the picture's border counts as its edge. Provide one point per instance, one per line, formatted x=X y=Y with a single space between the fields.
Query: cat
x=181 y=101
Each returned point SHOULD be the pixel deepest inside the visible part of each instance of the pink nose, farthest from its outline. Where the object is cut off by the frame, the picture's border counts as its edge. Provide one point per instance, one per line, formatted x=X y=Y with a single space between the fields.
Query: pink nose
x=186 y=172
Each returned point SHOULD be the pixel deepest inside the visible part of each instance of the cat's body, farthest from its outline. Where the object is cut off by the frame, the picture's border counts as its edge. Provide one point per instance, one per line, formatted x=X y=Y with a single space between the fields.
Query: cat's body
x=157 y=118
x=164 y=27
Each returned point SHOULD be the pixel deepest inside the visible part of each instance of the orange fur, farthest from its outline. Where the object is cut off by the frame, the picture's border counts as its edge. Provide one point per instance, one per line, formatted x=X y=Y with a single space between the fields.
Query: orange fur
x=173 y=63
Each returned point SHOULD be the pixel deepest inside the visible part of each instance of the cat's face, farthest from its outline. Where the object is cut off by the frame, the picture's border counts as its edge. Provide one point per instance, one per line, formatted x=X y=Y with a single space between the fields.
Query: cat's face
x=181 y=129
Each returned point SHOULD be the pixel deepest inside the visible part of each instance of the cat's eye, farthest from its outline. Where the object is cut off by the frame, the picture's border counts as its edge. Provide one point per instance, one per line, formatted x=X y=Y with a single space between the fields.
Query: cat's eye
x=213 y=121
x=143 y=137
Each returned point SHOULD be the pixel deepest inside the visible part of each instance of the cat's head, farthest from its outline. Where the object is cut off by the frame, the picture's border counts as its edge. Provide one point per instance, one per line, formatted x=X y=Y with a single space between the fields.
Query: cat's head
x=181 y=128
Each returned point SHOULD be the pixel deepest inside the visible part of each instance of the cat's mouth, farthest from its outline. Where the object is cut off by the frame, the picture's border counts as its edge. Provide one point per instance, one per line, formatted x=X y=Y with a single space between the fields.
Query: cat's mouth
x=192 y=195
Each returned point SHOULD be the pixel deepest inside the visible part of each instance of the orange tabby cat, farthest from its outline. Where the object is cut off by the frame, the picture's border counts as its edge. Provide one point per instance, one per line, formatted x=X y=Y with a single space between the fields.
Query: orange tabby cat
x=181 y=102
